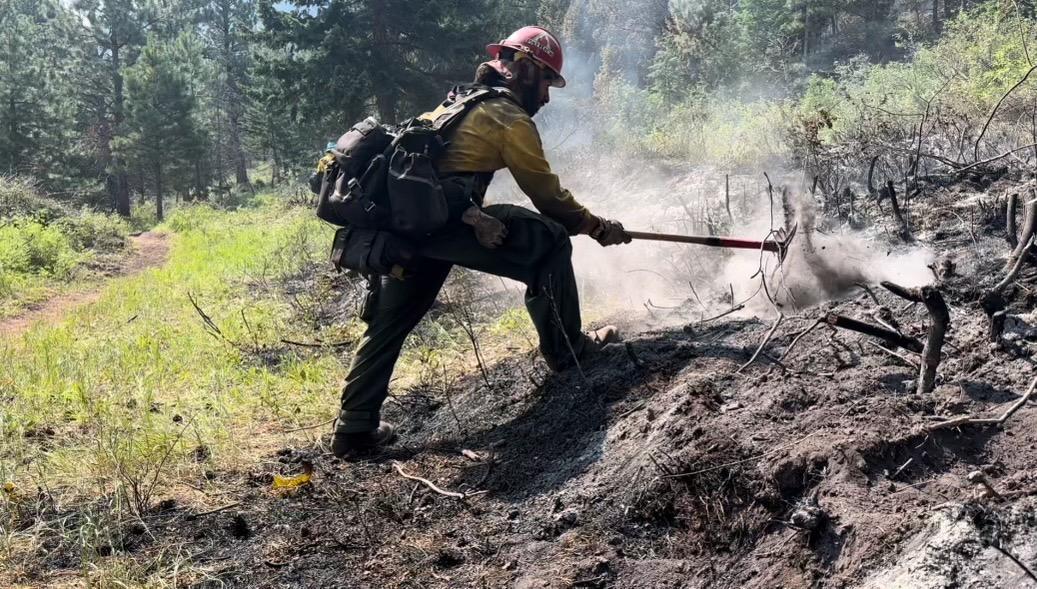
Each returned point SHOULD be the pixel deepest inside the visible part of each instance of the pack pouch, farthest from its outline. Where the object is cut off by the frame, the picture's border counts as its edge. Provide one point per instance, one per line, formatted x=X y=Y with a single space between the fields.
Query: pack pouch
x=416 y=198
x=370 y=251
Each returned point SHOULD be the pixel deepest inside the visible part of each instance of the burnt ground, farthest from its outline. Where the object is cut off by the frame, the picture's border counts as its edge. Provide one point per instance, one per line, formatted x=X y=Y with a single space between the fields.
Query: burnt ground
x=663 y=466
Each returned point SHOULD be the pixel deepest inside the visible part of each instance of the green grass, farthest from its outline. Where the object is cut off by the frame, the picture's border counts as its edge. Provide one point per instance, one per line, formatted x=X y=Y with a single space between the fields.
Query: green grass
x=121 y=398
x=132 y=399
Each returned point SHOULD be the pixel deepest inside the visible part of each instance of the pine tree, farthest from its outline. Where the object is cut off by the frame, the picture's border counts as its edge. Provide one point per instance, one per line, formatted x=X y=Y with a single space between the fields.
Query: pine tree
x=227 y=29
x=117 y=28
x=163 y=136
x=36 y=108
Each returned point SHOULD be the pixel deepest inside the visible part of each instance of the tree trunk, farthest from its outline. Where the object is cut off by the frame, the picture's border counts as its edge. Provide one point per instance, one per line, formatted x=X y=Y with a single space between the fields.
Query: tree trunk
x=937 y=25
x=240 y=163
x=159 y=212
x=121 y=184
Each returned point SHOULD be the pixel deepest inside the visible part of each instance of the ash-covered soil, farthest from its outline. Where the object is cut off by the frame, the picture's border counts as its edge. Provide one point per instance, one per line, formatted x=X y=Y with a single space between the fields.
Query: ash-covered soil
x=660 y=464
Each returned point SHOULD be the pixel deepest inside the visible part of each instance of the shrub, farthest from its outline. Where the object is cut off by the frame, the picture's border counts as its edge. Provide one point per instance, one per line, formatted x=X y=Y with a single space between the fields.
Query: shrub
x=191 y=217
x=29 y=246
x=19 y=198
x=96 y=231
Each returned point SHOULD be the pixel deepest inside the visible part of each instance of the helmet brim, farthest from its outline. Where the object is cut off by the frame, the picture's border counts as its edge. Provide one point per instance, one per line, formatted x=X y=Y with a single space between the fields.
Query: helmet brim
x=494 y=50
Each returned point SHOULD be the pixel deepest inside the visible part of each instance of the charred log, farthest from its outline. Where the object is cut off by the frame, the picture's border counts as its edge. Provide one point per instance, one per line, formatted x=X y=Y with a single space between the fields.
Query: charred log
x=892 y=338
x=939 y=321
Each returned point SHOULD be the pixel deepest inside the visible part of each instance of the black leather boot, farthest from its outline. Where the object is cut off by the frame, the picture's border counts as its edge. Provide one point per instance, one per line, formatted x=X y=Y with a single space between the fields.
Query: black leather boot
x=343 y=444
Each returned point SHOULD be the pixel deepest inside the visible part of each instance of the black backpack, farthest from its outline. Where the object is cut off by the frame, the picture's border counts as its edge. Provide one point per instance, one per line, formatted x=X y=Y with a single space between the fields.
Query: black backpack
x=381 y=186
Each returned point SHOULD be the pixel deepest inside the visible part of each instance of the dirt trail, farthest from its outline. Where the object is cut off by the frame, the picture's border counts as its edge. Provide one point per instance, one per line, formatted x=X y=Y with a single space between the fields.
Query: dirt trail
x=149 y=249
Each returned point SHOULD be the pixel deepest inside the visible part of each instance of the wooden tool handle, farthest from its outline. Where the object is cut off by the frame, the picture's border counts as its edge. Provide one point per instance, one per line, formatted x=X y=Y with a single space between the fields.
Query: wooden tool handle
x=728 y=242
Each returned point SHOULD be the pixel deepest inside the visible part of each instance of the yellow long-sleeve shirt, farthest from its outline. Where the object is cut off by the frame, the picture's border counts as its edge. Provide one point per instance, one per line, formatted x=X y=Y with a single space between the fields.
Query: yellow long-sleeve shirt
x=497 y=133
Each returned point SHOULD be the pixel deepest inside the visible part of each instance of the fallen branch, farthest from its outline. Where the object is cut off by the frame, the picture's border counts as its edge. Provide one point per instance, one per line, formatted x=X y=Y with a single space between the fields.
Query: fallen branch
x=210 y=326
x=213 y=511
x=306 y=427
x=991 y=160
x=891 y=337
x=318 y=344
x=1012 y=557
x=798 y=337
x=724 y=314
x=902 y=357
x=770 y=334
x=431 y=485
x=970 y=420
x=901 y=469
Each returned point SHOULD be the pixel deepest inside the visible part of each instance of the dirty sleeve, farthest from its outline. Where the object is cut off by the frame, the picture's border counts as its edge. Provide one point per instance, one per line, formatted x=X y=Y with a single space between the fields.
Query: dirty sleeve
x=523 y=154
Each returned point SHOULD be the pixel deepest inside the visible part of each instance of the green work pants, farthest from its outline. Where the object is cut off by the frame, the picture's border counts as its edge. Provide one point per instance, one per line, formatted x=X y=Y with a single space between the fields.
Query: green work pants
x=536 y=252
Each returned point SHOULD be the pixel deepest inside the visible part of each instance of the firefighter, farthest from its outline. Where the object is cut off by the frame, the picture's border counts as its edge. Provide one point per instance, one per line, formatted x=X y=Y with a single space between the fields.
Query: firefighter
x=505 y=240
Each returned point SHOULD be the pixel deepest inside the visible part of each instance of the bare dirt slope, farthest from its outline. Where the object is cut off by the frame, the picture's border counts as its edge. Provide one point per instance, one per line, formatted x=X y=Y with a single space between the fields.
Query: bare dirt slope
x=662 y=465
x=149 y=249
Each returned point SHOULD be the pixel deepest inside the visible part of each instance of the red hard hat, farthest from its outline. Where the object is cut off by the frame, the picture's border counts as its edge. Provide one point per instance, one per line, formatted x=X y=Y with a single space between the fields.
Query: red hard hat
x=539 y=44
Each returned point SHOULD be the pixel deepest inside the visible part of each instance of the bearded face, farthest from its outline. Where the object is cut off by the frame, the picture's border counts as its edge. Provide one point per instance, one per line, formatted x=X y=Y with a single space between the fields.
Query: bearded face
x=523 y=77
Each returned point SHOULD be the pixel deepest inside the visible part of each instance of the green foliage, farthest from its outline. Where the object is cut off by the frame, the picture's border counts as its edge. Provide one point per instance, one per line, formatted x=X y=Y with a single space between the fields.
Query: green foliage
x=28 y=246
x=700 y=128
x=19 y=197
x=34 y=77
x=99 y=232
x=42 y=244
x=957 y=81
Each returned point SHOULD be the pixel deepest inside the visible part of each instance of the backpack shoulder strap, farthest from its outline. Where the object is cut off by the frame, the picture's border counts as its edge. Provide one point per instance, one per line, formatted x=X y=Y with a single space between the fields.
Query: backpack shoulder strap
x=462 y=103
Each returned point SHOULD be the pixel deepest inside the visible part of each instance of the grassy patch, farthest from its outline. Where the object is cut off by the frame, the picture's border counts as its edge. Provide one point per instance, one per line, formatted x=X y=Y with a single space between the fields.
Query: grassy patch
x=45 y=248
x=131 y=395
x=136 y=399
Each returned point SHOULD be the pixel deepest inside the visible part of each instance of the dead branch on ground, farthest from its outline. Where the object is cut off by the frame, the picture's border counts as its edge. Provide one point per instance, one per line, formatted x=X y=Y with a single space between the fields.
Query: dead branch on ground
x=901 y=357
x=770 y=334
x=308 y=427
x=724 y=314
x=939 y=321
x=431 y=485
x=997 y=546
x=889 y=336
x=317 y=344
x=970 y=420
x=798 y=337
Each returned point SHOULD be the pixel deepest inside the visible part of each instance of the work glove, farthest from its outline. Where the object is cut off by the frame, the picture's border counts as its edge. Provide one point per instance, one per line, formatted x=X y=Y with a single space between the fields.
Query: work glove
x=609 y=232
x=489 y=231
